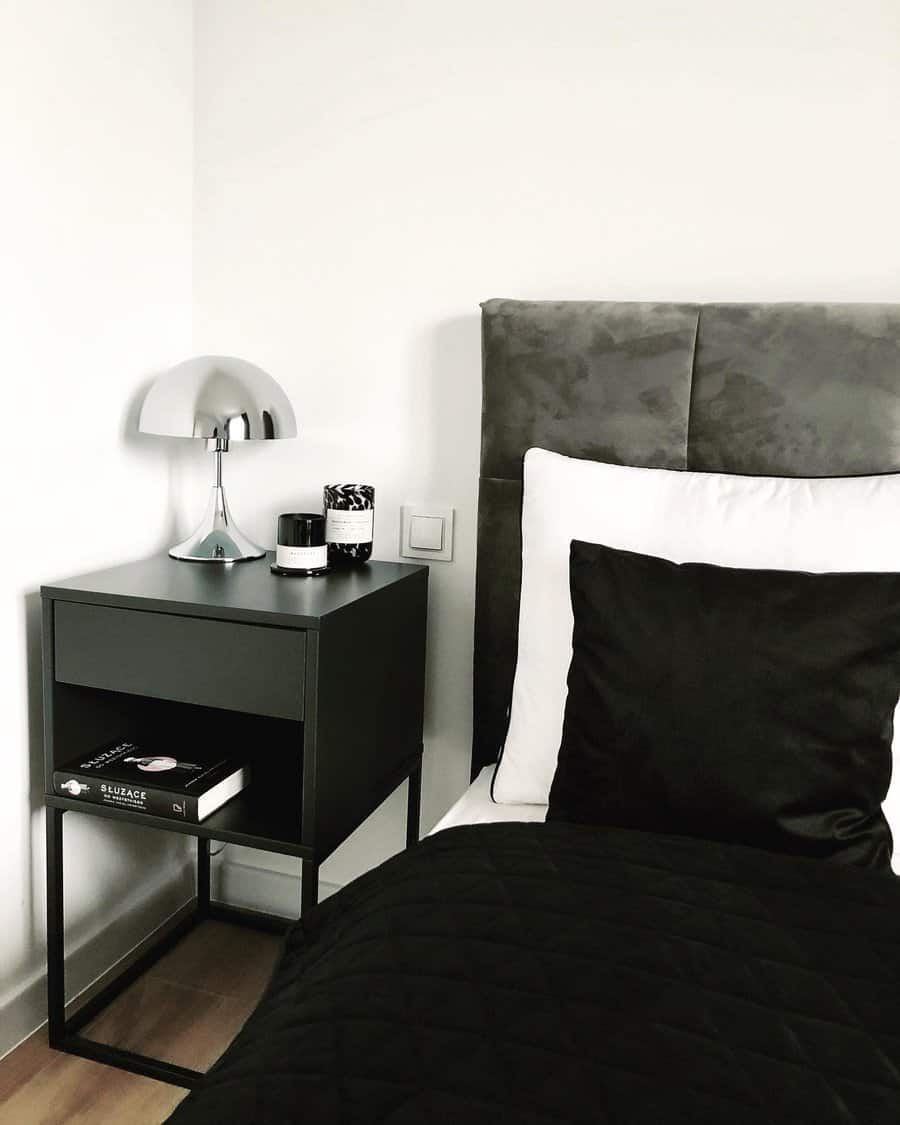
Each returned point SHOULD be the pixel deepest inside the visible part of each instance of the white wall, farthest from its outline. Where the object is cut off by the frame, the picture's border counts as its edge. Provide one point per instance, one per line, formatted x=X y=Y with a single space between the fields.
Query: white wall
x=95 y=267
x=366 y=173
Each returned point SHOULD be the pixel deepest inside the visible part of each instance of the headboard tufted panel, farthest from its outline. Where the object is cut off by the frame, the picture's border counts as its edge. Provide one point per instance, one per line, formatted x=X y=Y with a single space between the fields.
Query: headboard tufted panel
x=796 y=390
x=781 y=389
x=606 y=380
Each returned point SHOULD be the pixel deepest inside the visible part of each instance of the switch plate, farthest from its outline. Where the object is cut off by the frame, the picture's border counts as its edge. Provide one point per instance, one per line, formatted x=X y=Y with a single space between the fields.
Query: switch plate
x=426 y=532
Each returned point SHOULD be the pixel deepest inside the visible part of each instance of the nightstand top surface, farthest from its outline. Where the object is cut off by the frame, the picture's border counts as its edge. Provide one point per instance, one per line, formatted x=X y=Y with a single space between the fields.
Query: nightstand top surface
x=246 y=591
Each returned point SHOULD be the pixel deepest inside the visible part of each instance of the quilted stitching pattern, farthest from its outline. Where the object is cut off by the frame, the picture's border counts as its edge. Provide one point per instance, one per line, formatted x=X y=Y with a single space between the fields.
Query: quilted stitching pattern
x=558 y=974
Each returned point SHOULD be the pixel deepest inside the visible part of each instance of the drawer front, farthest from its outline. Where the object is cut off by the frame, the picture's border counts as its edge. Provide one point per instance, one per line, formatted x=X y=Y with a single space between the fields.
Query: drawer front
x=258 y=669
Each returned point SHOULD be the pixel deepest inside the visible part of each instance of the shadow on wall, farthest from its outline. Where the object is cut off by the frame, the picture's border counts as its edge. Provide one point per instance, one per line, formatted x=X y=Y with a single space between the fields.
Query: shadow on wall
x=96 y=943
x=179 y=454
x=449 y=472
x=454 y=357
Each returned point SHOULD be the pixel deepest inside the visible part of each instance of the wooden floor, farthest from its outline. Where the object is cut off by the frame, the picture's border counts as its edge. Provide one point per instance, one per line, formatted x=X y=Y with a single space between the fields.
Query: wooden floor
x=186 y=1009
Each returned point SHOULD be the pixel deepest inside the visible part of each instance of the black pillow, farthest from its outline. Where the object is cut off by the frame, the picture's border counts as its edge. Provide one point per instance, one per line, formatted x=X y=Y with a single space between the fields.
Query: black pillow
x=751 y=706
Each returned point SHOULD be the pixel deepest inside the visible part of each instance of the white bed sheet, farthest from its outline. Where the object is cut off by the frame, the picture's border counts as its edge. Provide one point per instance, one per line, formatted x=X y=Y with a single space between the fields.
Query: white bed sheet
x=476 y=807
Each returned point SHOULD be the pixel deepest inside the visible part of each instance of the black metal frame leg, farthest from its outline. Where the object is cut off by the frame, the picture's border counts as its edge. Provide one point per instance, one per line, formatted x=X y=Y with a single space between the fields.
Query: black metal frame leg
x=202 y=877
x=309 y=885
x=413 y=805
x=63 y=1033
x=56 y=965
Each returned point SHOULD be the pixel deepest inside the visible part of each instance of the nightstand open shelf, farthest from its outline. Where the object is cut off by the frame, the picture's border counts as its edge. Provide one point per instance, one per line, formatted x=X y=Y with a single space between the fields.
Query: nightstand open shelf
x=242 y=821
x=316 y=684
x=268 y=814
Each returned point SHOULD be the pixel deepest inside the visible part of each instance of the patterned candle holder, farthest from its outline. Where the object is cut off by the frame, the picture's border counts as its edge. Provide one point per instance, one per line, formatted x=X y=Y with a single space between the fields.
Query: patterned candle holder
x=349 y=522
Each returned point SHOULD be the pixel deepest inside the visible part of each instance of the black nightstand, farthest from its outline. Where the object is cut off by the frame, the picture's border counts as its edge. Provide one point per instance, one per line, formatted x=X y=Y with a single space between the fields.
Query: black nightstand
x=318 y=682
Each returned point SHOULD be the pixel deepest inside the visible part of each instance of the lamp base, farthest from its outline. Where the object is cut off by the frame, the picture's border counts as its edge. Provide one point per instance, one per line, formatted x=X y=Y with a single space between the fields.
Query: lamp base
x=217 y=539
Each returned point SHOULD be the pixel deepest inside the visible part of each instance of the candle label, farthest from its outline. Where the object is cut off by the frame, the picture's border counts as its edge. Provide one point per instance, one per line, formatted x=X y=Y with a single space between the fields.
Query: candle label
x=343 y=526
x=301 y=558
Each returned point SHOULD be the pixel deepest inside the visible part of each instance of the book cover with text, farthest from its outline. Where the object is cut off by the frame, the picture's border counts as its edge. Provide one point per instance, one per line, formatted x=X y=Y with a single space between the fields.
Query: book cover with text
x=130 y=775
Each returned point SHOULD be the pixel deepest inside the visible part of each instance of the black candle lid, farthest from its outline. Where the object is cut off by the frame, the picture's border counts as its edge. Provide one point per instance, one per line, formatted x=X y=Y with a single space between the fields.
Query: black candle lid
x=301 y=529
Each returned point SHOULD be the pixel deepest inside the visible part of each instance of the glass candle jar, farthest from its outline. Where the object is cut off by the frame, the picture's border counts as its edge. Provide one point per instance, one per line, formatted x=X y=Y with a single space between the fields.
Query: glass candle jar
x=349 y=522
x=300 y=546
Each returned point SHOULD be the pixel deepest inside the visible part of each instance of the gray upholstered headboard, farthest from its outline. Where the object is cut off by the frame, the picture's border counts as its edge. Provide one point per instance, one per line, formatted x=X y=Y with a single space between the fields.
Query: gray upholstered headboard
x=779 y=390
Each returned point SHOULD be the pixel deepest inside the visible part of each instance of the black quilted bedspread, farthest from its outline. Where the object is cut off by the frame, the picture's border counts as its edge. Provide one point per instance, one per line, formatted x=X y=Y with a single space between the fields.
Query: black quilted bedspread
x=531 y=973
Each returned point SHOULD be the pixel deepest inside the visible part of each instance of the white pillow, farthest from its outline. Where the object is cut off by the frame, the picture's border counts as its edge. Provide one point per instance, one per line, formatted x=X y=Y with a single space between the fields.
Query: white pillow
x=779 y=523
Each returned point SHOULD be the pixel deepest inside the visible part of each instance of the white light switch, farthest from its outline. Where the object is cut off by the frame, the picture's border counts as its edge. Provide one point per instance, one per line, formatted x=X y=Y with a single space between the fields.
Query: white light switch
x=426 y=532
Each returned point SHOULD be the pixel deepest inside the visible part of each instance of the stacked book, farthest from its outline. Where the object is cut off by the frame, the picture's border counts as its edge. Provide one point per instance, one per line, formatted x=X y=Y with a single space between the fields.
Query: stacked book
x=127 y=775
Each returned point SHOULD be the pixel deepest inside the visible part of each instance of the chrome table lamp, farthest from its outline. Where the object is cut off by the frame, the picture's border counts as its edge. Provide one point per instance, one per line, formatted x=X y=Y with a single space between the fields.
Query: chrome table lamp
x=220 y=399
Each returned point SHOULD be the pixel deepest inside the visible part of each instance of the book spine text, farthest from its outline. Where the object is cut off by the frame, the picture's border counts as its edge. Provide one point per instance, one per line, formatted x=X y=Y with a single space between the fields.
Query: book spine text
x=121 y=795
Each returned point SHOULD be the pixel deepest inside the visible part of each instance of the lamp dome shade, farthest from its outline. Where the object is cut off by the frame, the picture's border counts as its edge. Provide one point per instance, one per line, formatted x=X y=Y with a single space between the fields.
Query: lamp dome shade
x=219 y=397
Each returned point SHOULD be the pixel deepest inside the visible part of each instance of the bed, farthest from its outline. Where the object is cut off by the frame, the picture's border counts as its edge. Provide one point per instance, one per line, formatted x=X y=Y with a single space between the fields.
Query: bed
x=511 y=969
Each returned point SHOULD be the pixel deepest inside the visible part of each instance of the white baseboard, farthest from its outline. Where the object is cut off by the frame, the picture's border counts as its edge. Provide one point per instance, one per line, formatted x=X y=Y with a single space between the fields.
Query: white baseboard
x=261 y=888
x=87 y=966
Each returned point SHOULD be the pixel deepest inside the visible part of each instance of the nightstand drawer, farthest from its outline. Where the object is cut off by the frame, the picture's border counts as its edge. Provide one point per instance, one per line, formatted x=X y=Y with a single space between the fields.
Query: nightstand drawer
x=256 y=669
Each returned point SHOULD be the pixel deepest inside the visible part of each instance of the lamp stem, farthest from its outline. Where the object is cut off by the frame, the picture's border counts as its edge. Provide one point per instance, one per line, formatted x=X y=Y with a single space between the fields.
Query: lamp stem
x=217 y=539
x=221 y=447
